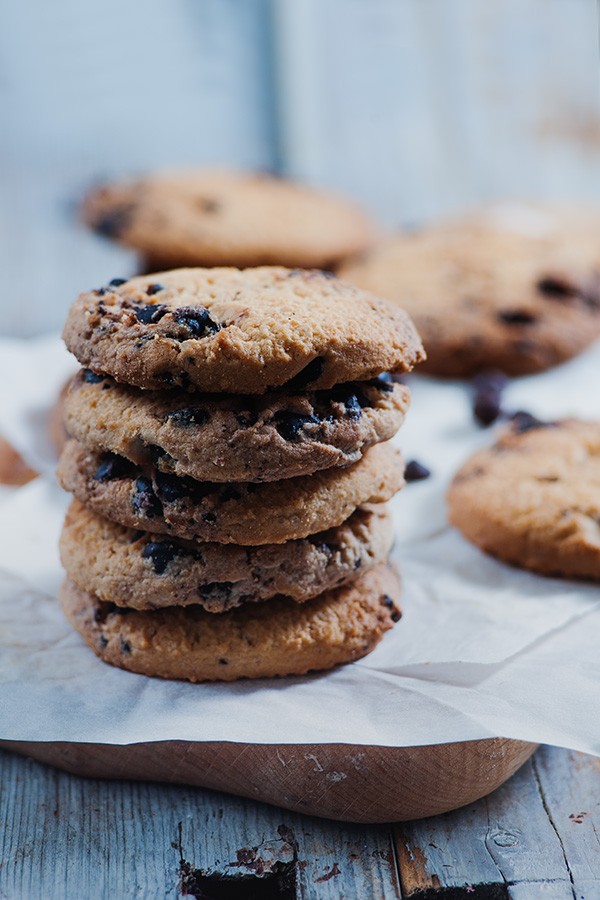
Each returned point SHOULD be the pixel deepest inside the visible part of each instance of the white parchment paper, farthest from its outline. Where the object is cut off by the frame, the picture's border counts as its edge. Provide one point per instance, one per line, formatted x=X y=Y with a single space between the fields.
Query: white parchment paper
x=482 y=650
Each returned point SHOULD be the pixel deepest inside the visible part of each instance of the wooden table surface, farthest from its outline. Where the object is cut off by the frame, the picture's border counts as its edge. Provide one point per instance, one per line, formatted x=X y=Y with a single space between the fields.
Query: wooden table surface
x=68 y=838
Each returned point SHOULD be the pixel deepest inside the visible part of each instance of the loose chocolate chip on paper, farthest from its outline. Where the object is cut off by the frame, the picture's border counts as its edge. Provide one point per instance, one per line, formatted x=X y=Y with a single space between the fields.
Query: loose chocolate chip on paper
x=415 y=471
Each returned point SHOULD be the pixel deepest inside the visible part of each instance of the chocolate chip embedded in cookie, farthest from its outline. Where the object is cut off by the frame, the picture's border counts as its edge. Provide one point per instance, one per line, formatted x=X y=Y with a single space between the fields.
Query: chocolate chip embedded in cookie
x=152 y=571
x=258 y=640
x=239 y=332
x=220 y=218
x=225 y=438
x=492 y=292
x=247 y=514
x=533 y=499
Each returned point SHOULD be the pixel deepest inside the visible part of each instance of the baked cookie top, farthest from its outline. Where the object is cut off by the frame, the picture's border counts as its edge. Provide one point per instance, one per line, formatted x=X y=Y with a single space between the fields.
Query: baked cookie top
x=488 y=292
x=239 y=331
x=226 y=438
x=243 y=513
x=533 y=499
x=257 y=640
x=220 y=218
x=150 y=571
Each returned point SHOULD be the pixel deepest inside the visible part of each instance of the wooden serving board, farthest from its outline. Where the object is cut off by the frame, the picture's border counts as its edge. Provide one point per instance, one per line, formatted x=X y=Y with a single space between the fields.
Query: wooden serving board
x=339 y=781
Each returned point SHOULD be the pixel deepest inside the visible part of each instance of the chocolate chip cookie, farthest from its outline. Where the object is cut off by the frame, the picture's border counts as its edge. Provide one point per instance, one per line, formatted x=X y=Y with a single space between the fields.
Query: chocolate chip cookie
x=239 y=332
x=533 y=499
x=257 y=640
x=151 y=571
x=484 y=293
x=243 y=513
x=220 y=218
x=226 y=438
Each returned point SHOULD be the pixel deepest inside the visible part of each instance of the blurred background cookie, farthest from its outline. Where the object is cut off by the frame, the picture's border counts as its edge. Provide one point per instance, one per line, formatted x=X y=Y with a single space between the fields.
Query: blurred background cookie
x=515 y=288
x=227 y=218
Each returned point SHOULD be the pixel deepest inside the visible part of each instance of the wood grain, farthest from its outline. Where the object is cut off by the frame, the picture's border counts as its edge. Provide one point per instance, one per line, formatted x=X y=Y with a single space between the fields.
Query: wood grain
x=338 y=781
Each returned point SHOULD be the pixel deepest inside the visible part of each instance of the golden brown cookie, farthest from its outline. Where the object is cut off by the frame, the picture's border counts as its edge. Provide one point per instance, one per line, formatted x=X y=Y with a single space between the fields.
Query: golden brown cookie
x=220 y=218
x=226 y=438
x=259 y=640
x=152 y=571
x=247 y=514
x=239 y=332
x=484 y=294
x=533 y=499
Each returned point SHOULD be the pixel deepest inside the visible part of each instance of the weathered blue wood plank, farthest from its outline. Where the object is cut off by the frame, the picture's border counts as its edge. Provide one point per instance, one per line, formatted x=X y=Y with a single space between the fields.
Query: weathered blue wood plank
x=63 y=837
x=505 y=838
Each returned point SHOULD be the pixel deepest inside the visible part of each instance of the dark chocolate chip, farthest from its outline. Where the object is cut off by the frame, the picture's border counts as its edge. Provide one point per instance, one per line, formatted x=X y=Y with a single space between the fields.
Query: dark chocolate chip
x=415 y=471
x=117 y=282
x=524 y=421
x=490 y=379
x=154 y=289
x=289 y=424
x=352 y=398
x=113 y=466
x=487 y=406
x=150 y=313
x=125 y=646
x=556 y=288
x=171 y=488
x=188 y=416
x=161 y=553
x=517 y=317
x=210 y=518
x=92 y=377
x=157 y=453
x=113 y=223
x=307 y=375
x=197 y=320
x=487 y=402
x=389 y=603
x=144 y=500
x=385 y=382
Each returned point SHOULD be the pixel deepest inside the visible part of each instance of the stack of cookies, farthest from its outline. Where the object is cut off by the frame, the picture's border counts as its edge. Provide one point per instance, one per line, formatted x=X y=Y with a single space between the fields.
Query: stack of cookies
x=230 y=460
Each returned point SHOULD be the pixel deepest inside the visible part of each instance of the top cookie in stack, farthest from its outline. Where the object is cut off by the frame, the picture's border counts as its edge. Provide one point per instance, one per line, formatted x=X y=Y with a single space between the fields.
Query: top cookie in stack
x=242 y=408
x=215 y=217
